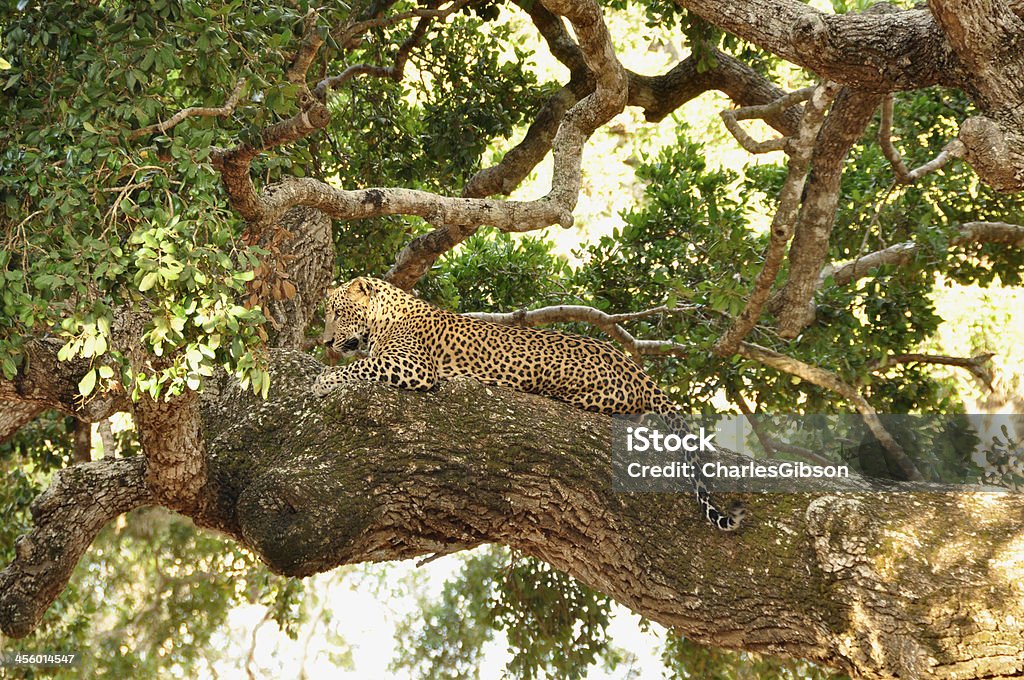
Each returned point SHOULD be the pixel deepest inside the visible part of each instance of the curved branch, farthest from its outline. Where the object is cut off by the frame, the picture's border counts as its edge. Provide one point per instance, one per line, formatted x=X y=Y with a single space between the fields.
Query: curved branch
x=829 y=381
x=194 y=111
x=363 y=203
x=800 y=149
x=373 y=473
x=874 y=51
x=45 y=383
x=987 y=36
x=846 y=121
x=903 y=253
x=81 y=500
x=731 y=118
x=397 y=69
x=610 y=324
x=954 y=149
x=975 y=365
x=657 y=95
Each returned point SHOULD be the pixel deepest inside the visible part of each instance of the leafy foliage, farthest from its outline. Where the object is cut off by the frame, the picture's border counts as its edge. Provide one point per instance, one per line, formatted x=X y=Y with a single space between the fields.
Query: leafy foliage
x=553 y=624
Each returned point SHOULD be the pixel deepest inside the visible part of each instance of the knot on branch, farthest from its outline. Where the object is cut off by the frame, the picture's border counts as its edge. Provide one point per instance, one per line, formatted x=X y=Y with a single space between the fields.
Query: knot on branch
x=995 y=152
x=810 y=35
x=840 y=527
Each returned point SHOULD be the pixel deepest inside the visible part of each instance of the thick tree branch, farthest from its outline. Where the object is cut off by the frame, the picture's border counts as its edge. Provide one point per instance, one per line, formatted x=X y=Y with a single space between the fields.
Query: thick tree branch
x=871 y=51
x=660 y=95
x=800 y=149
x=468 y=464
x=849 y=115
x=311 y=43
x=883 y=51
x=175 y=454
x=81 y=500
x=234 y=164
x=363 y=203
x=15 y=415
x=45 y=383
x=301 y=254
x=988 y=38
x=611 y=324
x=657 y=95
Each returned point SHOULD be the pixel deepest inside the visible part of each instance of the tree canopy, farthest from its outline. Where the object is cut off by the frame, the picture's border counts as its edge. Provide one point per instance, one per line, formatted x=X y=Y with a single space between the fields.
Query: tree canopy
x=180 y=181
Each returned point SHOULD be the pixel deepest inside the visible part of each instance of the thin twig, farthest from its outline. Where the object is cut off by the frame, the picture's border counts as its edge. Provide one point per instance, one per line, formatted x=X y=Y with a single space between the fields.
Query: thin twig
x=1001 y=233
x=193 y=111
x=975 y=365
x=954 y=149
x=771 y=444
x=397 y=70
x=347 y=35
x=831 y=382
x=731 y=118
x=801 y=150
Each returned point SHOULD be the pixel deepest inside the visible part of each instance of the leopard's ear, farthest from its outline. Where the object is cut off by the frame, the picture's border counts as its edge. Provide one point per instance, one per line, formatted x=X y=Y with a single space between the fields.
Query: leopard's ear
x=361 y=290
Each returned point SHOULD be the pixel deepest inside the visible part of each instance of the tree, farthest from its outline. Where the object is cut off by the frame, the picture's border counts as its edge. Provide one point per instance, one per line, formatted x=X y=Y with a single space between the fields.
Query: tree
x=172 y=217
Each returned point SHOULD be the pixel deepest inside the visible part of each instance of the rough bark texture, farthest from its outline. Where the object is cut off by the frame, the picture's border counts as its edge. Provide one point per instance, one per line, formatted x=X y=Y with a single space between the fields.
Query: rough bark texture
x=80 y=501
x=44 y=383
x=850 y=114
x=868 y=51
x=307 y=253
x=886 y=586
x=801 y=148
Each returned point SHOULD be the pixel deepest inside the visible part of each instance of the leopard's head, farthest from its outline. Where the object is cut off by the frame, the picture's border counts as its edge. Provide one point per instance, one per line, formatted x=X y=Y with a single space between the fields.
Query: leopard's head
x=347 y=316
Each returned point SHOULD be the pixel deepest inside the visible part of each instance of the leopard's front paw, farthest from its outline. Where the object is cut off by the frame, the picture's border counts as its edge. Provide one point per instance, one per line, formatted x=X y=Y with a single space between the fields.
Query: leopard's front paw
x=325 y=383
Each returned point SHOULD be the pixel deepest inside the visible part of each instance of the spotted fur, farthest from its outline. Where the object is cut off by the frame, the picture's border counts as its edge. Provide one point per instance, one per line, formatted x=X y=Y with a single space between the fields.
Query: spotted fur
x=412 y=344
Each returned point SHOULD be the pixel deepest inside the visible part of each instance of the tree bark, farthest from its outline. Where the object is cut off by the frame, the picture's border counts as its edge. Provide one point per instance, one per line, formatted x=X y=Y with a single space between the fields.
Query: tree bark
x=883 y=586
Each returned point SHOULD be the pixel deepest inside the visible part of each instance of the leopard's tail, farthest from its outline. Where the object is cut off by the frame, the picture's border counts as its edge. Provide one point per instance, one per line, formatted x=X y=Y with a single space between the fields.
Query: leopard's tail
x=668 y=411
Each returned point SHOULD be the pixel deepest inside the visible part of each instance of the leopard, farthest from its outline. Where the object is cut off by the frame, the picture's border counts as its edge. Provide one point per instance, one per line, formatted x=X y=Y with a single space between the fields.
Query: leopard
x=408 y=343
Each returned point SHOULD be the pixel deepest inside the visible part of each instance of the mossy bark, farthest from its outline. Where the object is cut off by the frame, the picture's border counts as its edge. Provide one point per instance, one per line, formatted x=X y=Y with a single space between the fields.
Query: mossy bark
x=897 y=585
x=883 y=585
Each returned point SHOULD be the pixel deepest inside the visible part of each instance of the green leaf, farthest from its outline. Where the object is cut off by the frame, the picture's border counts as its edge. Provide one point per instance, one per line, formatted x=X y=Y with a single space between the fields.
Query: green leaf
x=10 y=370
x=148 y=281
x=106 y=372
x=87 y=383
